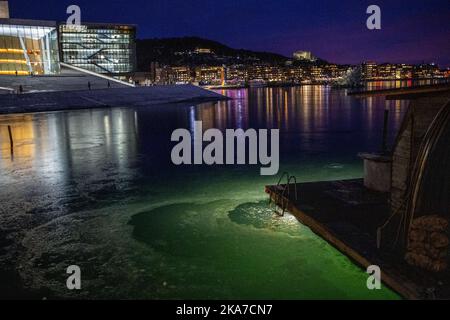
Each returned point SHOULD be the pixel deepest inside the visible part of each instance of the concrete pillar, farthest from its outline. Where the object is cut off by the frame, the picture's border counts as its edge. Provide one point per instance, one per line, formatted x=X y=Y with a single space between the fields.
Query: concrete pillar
x=377 y=172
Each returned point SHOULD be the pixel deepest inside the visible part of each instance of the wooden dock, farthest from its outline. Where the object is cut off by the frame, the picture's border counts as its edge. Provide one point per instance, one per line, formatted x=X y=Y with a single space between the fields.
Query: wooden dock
x=347 y=215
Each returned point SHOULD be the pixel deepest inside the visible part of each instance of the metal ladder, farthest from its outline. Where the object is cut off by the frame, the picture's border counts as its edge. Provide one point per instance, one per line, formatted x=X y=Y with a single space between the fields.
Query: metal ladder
x=284 y=189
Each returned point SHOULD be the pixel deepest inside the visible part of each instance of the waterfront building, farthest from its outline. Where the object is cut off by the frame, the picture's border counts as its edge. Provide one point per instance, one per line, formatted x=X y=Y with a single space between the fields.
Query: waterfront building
x=332 y=71
x=28 y=47
x=317 y=73
x=270 y=73
x=236 y=73
x=178 y=75
x=406 y=71
x=446 y=73
x=295 y=74
x=210 y=75
x=101 y=48
x=426 y=71
x=369 y=70
x=387 y=71
x=36 y=47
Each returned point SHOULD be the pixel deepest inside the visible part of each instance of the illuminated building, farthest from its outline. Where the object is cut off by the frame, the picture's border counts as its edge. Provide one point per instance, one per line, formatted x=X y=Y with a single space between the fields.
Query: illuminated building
x=203 y=51
x=426 y=71
x=102 y=48
x=446 y=73
x=295 y=74
x=210 y=75
x=369 y=70
x=267 y=72
x=303 y=55
x=237 y=73
x=177 y=75
x=28 y=47
x=387 y=71
x=37 y=47
x=317 y=73
x=333 y=71
x=406 y=71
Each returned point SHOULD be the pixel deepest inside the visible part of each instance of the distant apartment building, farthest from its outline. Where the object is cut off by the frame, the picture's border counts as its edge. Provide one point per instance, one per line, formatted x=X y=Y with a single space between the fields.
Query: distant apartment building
x=446 y=73
x=317 y=73
x=178 y=75
x=369 y=70
x=267 y=72
x=210 y=75
x=295 y=74
x=334 y=71
x=241 y=74
x=205 y=75
x=426 y=71
x=387 y=71
x=405 y=71
x=35 y=47
x=236 y=73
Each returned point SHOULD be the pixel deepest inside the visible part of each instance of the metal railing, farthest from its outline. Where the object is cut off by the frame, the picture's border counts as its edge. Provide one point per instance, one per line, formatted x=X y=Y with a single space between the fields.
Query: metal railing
x=286 y=188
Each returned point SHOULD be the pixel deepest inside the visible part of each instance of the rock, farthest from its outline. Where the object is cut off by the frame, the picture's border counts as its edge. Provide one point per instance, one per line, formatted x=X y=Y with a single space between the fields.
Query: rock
x=428 y=243
x=430 y=223
x=417 y=235
x=438 y=240
x=438 y=266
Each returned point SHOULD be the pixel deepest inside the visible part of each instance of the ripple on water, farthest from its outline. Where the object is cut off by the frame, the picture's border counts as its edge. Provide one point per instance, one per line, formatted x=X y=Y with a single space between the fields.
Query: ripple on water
x=263 y=216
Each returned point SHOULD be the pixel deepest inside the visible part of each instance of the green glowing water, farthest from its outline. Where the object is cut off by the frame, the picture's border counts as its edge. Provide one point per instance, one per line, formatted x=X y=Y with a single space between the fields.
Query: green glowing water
x=96 y=189
x=231 y=245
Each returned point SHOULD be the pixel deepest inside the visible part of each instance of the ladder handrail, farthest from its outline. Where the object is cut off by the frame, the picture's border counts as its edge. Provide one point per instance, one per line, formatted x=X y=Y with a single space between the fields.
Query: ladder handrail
x=285 y=173
x=287 y=187
x=295 y=185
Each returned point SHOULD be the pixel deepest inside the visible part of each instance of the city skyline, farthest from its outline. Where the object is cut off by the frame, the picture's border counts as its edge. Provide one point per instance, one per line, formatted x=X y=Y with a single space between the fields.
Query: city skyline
x=412 y=32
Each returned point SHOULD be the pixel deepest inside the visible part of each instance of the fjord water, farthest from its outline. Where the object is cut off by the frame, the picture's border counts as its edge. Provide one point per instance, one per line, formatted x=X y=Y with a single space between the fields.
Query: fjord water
x=97 y=189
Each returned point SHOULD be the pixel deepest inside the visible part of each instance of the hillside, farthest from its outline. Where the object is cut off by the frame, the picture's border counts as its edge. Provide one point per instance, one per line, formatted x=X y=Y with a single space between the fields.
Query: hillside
x=182 y=51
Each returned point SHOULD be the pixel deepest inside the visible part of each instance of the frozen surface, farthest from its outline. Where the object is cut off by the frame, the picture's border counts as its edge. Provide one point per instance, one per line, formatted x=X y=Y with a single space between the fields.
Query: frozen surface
x=96 y=188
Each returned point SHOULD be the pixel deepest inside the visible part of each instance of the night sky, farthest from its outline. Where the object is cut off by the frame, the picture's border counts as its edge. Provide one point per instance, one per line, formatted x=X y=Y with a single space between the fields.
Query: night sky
x=412 y=31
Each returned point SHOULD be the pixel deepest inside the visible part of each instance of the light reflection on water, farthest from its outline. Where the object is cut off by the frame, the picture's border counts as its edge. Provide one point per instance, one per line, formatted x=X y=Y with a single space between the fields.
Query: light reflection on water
x=96 y=169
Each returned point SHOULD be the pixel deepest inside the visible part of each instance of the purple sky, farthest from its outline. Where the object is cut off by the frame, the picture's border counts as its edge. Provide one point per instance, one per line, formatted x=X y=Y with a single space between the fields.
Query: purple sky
x=412 y=31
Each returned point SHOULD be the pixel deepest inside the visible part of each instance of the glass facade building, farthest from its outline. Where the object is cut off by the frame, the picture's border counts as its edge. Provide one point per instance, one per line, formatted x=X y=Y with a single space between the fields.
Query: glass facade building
x=102 y=48
x=28 y=47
